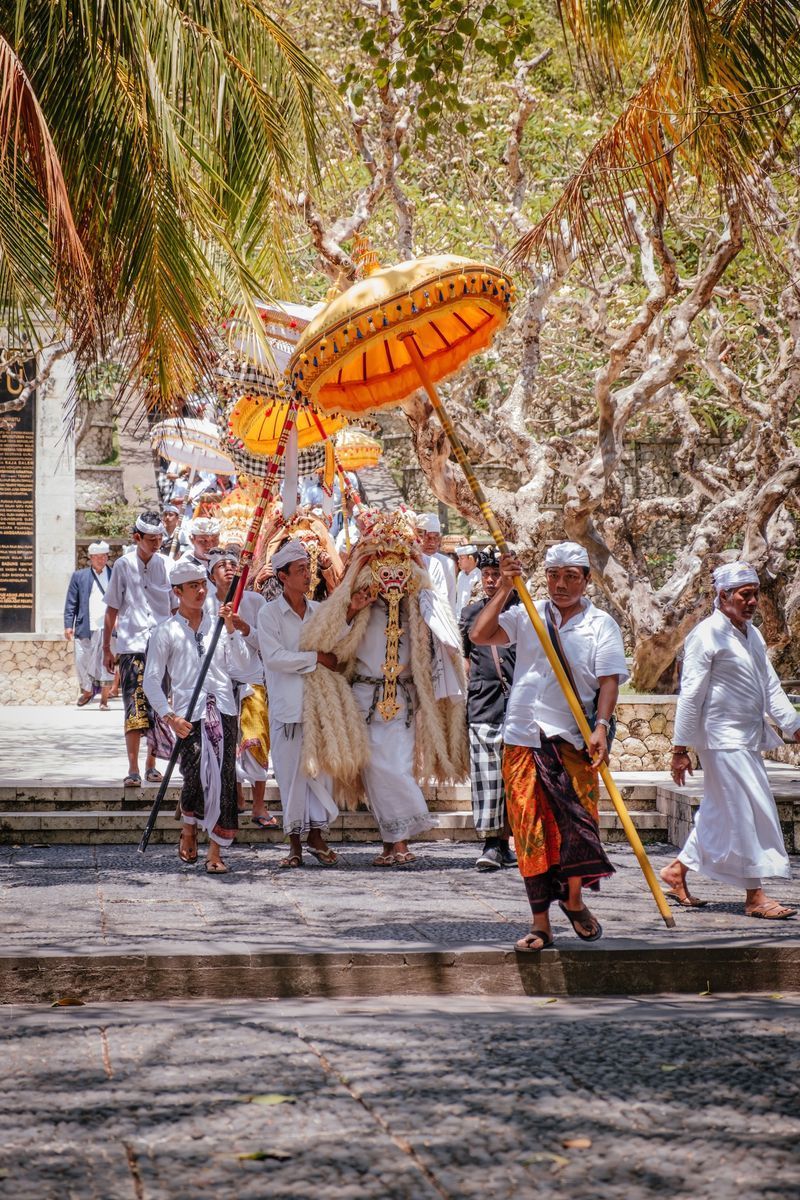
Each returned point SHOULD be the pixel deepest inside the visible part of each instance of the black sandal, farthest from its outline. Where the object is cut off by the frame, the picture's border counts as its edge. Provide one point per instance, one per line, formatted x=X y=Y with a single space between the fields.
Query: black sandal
x=582 y=916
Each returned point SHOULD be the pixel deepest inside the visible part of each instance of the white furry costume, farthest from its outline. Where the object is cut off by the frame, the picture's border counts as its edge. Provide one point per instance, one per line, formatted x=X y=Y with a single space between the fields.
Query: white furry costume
x=345 y=731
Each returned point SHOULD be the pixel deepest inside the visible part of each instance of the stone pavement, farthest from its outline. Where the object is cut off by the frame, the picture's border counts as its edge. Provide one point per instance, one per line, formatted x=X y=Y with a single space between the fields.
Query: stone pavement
x=109 y=923
x=692 y=1099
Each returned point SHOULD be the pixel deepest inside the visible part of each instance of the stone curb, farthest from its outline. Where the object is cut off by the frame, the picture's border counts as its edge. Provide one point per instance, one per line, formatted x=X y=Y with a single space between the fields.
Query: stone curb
x=491 y=972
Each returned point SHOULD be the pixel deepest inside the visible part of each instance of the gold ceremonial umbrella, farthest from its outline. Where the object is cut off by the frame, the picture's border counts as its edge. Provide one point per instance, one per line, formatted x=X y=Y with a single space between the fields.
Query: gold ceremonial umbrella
x=408 y=326
x=356 y=450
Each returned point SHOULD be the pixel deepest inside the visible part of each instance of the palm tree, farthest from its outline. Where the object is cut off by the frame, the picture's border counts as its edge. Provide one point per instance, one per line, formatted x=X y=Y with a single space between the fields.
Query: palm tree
x=144 y=146
x=719 y=84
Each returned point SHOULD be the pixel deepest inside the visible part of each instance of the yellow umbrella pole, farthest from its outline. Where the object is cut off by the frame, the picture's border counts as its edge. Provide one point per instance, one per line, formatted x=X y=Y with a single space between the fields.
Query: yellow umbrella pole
x=541 y=632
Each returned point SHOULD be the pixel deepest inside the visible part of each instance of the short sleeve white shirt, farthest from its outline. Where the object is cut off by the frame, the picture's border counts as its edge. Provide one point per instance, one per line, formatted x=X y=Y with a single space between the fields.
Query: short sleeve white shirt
x=141 y=593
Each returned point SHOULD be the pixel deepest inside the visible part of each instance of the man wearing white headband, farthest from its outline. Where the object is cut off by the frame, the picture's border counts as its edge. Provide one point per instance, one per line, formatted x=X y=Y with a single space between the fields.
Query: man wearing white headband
x=84 y=613
x=468 y=583
x=207 y=734
x=204 y=536
x=440 y=566
x=175 y=542
x=550 y=776
x=308 y=804
x=728 y=689
x=138 y=598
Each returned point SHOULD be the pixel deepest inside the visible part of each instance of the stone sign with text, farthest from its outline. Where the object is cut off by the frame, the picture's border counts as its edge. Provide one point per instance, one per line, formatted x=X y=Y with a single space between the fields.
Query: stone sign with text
x=17 y=499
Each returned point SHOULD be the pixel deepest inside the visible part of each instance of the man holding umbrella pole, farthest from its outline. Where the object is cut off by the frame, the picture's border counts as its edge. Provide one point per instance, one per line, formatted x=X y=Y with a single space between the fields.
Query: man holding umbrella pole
x=550 y=777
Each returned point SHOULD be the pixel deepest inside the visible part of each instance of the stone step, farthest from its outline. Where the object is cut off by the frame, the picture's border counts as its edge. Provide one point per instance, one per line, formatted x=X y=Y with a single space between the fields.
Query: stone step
x=112 y=797
x=101 y=827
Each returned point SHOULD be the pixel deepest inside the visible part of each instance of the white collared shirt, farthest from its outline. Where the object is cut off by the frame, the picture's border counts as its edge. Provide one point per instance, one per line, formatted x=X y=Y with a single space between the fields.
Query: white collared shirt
x=174 y=647
x=592 y=644
x=285 y=664
x=97 y=607
x=468 y=588
x=141 y=593
x=727 y=686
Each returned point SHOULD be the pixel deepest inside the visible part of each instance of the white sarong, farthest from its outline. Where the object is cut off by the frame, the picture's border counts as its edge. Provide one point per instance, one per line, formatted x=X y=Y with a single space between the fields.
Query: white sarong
x=737 y=837
x=306 y=803
x=394 y=796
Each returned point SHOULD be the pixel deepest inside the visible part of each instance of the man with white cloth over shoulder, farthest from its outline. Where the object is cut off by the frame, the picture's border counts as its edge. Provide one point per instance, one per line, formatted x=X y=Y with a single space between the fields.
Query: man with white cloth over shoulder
x=728 y=687
x=207 y=751
x=308 y=804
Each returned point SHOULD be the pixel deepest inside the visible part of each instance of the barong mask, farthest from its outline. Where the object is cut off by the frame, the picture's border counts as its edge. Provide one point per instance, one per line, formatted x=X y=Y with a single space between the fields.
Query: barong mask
x=389 y=576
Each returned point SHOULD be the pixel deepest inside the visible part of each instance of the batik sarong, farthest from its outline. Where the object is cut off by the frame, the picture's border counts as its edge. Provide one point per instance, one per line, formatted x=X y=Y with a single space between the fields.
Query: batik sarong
x=139 y=716
x=207 y=758
x=551 y=799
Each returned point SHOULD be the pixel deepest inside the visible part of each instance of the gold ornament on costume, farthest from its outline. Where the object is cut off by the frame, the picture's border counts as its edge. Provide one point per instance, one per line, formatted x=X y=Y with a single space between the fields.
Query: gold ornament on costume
x=392 y=536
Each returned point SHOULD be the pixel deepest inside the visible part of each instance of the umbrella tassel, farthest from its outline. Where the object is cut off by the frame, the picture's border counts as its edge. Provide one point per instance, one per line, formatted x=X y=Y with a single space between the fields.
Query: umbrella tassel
x=541 y=632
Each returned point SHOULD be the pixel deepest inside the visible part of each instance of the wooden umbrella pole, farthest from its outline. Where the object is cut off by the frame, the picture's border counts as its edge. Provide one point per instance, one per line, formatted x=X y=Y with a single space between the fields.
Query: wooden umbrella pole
x=541 y=632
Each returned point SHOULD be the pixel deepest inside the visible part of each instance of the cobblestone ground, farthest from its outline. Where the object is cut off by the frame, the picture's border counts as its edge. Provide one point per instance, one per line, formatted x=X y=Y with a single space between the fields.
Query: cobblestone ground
x=691 y=1099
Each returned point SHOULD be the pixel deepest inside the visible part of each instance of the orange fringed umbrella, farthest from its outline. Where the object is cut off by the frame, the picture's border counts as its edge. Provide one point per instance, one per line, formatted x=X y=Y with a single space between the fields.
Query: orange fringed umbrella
x=405 y=327
x=353 y=357
x=356 y=450
x=257 y=421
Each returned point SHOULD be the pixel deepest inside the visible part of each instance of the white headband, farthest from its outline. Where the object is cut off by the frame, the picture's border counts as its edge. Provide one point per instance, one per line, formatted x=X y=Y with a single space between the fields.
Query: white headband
x=185 y=571
x=293 y=551
x=566 y=554
x=204 y=526
x=429 y=523
x=461 y=551
x=99 y=548
x=142 y=526
x=733 y=575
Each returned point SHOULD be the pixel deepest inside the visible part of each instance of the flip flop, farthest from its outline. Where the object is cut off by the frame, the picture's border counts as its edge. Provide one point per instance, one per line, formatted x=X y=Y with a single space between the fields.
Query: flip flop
x=771 y=911
x=216 y=868
x=325 y=858
x=152 y=775
x=687 y=901
x=270 y=822
x=384 y=860
x=190 y=857
x=523 y=946
x=405 y=859
x=84 y=699
x=292 y=861
x=581 y=916
x=132 y=780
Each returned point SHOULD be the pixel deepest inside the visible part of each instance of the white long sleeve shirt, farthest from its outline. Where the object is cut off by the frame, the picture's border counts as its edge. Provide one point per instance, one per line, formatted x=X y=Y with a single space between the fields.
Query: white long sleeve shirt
x=175 y=647
x=285 y=664
x=468 y=588
x=141 y=593
x=593 y=646
x=728 y=686
x=249 y=608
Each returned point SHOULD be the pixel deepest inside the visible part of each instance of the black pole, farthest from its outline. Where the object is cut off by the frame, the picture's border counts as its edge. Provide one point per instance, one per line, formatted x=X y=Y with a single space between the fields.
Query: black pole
x=198 y=687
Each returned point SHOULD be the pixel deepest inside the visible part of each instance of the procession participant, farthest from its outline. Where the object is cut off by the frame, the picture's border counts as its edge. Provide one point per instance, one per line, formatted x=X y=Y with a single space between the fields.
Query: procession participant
x=308 y=804
x=550 y=778
x=207 y=735
x=728 y=686
x=175 y=541
x=397 y=713
x=430 y=531
x=204 y=536
x=84 y=613
x=468 y=583
x=138 y=598
x=253 y=745
x=308 y=527
x=490 y=672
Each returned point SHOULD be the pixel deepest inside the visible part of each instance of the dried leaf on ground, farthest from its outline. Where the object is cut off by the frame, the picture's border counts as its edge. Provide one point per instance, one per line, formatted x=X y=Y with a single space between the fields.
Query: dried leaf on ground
x=272 y=1098
x=67 y=1002
x=577 y=1143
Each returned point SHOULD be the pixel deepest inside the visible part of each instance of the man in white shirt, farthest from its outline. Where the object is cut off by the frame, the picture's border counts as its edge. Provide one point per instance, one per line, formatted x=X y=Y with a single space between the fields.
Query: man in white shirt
x=728 y=688
x=176 y=542
x=440 y=566
x=469 y=582
x=84 y=614
x=204 y=537
x=253 y=747
x=207 y=750
x=550 y=779
x=138 y=598
x=308 y=804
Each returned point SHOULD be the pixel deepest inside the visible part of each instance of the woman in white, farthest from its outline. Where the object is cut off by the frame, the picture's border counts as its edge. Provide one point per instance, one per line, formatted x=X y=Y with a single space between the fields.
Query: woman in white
x=728 y=687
